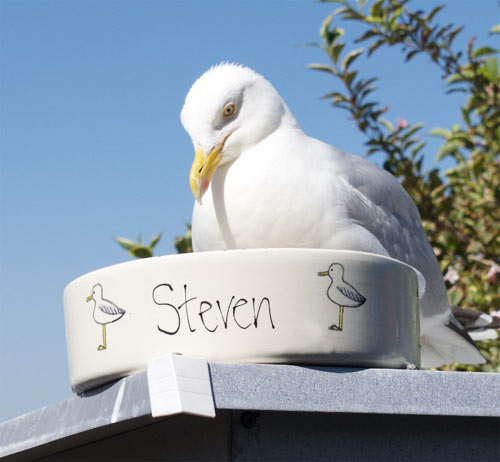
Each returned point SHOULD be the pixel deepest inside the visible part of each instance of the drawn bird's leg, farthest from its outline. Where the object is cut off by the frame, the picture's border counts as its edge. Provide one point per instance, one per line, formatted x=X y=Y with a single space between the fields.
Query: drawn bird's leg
x=103 y=346
x=341 y=319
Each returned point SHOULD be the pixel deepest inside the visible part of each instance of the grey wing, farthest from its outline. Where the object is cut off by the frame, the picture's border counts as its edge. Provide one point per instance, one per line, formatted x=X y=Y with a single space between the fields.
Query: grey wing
x=376 y=201
x=110 y=308
x=351 y=293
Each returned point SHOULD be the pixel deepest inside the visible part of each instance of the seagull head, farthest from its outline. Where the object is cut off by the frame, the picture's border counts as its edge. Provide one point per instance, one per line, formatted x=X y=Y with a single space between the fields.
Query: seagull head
x=228 y=110
x=96 y=293
x=335 y=271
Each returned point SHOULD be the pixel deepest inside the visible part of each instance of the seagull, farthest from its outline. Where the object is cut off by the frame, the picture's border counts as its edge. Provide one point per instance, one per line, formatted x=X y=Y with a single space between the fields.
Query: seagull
x=260 y=182
x=341 y=292
x=105 y=312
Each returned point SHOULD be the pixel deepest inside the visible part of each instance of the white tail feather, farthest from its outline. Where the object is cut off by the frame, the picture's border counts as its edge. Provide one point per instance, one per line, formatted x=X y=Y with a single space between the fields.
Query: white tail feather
x=441 y=345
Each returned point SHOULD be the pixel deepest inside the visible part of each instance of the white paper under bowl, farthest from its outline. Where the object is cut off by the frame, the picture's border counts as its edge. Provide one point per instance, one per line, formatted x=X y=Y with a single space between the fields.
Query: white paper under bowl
x=259 y=306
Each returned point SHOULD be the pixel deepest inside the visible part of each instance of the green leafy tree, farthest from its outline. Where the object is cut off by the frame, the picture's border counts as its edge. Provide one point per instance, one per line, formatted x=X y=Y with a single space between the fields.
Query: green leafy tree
x=459 y=209
x=136 y=248
x=184 y=244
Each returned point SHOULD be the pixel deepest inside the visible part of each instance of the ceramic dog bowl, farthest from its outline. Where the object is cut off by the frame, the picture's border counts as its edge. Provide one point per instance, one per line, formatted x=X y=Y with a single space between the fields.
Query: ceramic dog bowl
x=296 y=306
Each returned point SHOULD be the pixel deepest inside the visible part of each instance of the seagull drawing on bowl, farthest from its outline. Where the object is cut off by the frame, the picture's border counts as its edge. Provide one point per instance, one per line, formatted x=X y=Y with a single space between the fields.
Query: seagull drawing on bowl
x=105 y=311
x=341 y=292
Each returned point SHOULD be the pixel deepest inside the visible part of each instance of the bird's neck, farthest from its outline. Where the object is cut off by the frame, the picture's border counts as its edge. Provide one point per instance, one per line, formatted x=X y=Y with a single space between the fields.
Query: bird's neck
x=218 y=183
x=287 y=121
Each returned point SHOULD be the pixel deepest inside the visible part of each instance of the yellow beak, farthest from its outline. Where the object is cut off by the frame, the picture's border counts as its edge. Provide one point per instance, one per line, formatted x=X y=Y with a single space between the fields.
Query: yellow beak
x=203 y=169
x=323 y=273
x=90 y=298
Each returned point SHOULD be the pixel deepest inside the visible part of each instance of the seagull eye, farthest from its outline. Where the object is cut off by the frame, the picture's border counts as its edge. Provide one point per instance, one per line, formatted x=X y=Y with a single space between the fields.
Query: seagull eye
x=228 y=110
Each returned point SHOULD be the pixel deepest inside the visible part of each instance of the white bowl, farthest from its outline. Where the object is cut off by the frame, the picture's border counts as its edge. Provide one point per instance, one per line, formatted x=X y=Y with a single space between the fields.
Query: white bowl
x=260 y=306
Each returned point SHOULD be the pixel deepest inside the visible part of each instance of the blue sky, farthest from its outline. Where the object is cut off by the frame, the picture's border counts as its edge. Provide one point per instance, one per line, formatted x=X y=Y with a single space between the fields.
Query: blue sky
x=92 y=147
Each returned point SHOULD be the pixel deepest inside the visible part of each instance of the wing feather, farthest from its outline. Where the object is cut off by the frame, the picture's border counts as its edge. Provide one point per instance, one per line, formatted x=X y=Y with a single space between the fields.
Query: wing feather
x=351 y=294
x=110 y=308
x=383 y=208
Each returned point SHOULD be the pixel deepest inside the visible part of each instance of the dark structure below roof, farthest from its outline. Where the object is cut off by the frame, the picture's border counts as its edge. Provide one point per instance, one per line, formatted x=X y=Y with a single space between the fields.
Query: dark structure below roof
x=269 y=412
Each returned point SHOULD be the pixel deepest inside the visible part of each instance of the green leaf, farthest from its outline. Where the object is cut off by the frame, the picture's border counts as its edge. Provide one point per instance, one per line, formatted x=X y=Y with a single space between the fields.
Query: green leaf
x=495 y=29
x=456 y=297
x=323 y=67
x=127 y=244
x=386 y=124
x=456 y=90
x=368 y=34
x=460 y=136
x=375 y=45
x=350 y=58
x=441 y=132
x=365 y=107
x=336 y=97
x=466 y=116
x=446 y=149
x=417 y=148
x=349 y=77
x=393 y=20
x=365 y=92
x=141 y=252
x=460 y=77
x=334 y=34
x=376 y=114
x=484 y=51
x=453 y=34
x=411 y=54
x=433 y=13
x=376 y=8
x=155 y=240
x=374 y=19
x=352 y=14
x=362 y=84
x=489 y=69
x=335 y=50
x=327 y=34
x=183 y=244
x=325 y=26
x=412 y=130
